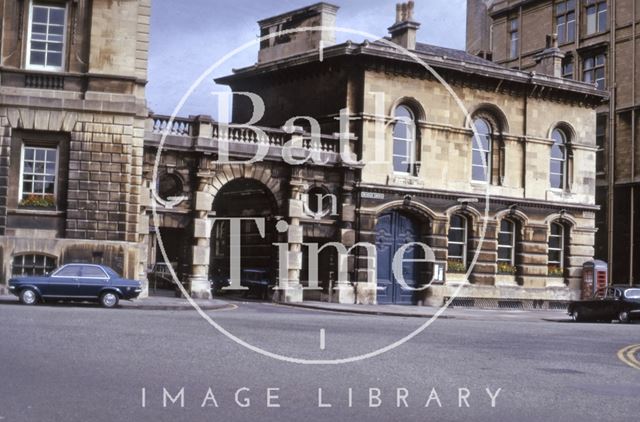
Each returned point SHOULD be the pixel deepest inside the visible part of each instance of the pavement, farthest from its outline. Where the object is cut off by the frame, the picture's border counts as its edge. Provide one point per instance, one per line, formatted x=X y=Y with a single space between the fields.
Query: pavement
x=151 y=303
x=430 y=312
x=169 y=303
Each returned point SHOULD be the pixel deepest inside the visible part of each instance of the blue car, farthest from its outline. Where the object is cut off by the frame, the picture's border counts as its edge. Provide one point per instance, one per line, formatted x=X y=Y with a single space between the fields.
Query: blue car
x=81 y=282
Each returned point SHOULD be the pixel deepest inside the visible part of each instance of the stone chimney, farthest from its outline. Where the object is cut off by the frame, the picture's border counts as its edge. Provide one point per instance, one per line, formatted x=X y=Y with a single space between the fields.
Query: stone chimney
x=284 y=44
x=549 y=61
x=403 y=32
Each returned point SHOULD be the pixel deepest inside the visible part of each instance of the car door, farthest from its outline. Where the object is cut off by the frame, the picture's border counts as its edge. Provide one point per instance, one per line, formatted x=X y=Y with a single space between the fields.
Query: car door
x=614 y=304
x=91 y=281
x=64 y=282
x=605 y=305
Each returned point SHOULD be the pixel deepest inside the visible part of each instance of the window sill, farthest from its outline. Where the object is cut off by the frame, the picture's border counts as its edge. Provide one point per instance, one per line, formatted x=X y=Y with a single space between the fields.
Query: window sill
x=52 y=212
x=404 y=179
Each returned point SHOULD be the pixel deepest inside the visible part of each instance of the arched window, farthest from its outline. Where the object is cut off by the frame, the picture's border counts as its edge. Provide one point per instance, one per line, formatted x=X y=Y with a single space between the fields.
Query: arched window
x=458 y=241
x=558 y=166
x=32 y=264
x=506 y=245
x=482 y=151
x=556 y=249
x=404 y=141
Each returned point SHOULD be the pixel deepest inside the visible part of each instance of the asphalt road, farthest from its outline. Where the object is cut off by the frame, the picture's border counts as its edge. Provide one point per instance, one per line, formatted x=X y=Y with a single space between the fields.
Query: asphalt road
x=83 y=363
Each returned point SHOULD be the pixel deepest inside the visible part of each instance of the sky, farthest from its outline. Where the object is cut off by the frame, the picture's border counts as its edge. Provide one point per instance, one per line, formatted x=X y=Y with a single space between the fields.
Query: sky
x=188 y=37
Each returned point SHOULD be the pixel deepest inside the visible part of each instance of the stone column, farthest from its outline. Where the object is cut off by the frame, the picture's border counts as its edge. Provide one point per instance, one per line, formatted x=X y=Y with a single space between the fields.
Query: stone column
x=143 y=240
x=199 y=283
x=290 y=290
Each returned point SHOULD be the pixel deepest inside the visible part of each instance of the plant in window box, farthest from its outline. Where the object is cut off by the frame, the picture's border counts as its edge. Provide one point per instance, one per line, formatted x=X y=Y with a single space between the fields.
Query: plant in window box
x=38 y=201
x=456 y=266
x=556 y=271
x=507 y=269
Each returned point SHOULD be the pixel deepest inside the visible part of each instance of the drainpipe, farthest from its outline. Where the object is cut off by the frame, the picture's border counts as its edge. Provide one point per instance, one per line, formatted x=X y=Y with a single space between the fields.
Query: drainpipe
x=633 y=154
x=520 y=37
x=612 y=139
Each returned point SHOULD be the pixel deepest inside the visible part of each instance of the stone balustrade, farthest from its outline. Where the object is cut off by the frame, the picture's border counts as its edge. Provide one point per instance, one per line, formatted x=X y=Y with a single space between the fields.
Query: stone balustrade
x=201 y=132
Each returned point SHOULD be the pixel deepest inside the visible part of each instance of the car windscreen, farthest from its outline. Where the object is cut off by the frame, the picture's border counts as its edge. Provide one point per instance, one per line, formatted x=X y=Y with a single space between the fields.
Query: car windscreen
x=632 y=294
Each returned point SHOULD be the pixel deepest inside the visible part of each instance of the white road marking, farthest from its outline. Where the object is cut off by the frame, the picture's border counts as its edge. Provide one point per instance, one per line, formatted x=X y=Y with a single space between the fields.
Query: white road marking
x=322 y=345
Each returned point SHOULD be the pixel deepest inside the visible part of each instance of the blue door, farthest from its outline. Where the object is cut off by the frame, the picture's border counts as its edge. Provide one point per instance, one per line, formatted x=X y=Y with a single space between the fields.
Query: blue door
x=392 y=232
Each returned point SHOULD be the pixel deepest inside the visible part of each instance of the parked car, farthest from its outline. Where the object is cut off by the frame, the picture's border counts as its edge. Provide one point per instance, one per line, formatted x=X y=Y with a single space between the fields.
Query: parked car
x=81 y=282
x=258 y=282
x=615 y=302
x=160 y=278
x=218 y=282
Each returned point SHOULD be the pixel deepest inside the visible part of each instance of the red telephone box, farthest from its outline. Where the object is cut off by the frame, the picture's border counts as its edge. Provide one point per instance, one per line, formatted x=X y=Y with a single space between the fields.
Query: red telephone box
x=594 y=277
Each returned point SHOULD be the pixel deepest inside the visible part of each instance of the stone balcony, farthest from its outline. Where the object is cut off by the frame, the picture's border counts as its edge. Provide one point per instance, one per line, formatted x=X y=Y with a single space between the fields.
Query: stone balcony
x=202 y=134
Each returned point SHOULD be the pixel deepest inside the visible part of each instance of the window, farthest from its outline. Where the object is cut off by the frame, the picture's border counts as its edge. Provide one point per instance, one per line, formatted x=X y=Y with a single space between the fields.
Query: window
x=593 y=72
x=68 y=271
x=481 y=151
x=169 y=186
x=566 y=21
x=514 y=38
x=38 y=172
x=89 y=271
x=558 y=167
x=567 y=68
x=596 y=16
x=507 y=243
x=32 y=264
x=46 y=44
x=556 y=247
x=404 y=141
x=458 y=240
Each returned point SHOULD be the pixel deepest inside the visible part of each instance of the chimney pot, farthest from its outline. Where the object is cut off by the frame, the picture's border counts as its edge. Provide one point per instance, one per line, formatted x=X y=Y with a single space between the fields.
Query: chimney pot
x=403 y=31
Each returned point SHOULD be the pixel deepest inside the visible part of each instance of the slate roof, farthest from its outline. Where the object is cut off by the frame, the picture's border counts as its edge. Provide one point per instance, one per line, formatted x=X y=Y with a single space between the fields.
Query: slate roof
x=453 y=54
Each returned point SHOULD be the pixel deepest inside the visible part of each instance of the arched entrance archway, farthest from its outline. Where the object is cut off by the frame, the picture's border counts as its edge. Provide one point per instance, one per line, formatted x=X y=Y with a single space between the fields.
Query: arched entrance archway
x=246 y=198
x=393 y=230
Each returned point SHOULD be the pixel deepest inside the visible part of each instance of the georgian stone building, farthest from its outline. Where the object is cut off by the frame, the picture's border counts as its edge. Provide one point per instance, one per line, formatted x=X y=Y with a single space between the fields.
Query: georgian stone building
x=598 y=44
x=72 y=117
x=535 y=132
x=78 y=153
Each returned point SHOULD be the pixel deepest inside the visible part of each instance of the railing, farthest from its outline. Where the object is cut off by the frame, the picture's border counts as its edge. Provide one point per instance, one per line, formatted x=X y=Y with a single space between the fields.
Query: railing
x=42 y=81
x=203 y=126
x=179 y=126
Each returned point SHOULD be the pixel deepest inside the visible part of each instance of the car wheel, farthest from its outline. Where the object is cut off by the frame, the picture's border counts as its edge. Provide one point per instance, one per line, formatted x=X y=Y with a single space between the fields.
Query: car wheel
x=577 y=315
x=109 y=299
x=28 y=297
x=623 y=317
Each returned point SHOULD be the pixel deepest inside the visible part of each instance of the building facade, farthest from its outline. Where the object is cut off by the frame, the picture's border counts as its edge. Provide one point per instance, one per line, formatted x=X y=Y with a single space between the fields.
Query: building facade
x=72 y=117
x=537 y=134
x=508 y=209
x=598 y=43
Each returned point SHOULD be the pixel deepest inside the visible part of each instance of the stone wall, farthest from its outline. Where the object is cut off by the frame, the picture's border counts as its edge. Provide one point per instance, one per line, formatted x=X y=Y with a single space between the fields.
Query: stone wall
x=96 y=111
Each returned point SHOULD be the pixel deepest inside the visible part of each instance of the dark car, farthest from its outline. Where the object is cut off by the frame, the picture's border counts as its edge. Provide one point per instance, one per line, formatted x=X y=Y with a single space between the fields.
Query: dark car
x=257 y=281
x=620 y=303
x=218 y=282
x=76 y=282
x=160 y=277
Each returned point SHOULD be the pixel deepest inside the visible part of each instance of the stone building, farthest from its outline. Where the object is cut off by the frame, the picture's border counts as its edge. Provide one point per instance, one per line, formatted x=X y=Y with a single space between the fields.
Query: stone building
x=72 y=116
x=536 y=133
x=597 y=44
x=512 y=205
